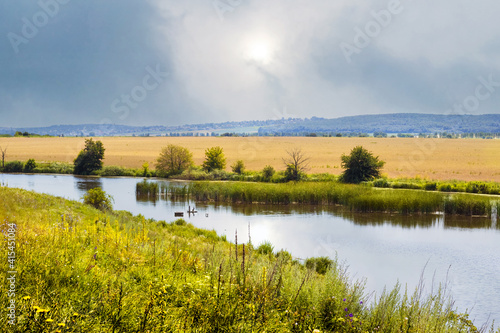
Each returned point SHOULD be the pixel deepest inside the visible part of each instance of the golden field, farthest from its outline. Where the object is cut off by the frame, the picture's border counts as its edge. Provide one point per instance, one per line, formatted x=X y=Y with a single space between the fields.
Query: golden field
x=439 y=159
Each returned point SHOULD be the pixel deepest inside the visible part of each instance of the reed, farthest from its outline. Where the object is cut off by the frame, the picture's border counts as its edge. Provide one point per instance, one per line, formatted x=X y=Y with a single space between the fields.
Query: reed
x=358 y=198
x=145 y=188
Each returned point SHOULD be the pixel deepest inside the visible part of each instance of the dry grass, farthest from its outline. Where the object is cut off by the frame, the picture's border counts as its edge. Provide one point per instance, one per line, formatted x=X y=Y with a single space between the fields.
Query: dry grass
x=439 y=159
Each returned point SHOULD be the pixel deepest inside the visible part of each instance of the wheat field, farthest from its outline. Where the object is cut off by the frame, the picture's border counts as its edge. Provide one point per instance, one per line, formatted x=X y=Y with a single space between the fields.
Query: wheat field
x=439 y=159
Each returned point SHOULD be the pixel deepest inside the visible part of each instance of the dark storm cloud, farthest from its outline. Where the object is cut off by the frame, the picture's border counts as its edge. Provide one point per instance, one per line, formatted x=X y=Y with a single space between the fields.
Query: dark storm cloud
x=70 y=69
x=173 y=62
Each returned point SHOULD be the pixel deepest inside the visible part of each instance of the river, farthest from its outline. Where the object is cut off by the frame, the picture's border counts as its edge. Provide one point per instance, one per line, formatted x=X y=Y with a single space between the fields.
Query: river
x=463 y=252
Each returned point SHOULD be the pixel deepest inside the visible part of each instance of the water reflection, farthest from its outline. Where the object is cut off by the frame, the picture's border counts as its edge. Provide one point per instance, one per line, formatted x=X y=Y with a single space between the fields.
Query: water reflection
x=87 y=183
x=144 y=198
x=361 y=219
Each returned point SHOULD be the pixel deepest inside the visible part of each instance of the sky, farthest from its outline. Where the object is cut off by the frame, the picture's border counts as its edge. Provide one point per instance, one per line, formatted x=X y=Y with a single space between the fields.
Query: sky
x=165 y=62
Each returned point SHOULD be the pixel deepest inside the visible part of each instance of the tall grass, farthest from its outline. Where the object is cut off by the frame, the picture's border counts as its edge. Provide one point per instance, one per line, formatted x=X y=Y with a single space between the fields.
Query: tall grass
x=82 y=270
x=442 y=186
x=145 y=188
x=357 y=198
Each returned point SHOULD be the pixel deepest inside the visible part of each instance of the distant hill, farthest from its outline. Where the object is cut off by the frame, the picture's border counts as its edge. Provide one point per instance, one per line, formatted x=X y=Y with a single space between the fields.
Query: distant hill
x=386 y=123
x=390 y=123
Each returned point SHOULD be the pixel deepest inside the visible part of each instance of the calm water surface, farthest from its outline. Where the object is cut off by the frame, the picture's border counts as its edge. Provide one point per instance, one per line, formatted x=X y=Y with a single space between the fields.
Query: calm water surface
x=381 y=248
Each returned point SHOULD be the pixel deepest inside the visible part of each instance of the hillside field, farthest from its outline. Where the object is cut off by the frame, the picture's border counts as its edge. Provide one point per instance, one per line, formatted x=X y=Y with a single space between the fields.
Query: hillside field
x=439 y=159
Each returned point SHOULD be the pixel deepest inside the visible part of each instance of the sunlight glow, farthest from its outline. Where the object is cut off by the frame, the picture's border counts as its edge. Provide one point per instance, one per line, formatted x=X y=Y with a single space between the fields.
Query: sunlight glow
x=259 y=51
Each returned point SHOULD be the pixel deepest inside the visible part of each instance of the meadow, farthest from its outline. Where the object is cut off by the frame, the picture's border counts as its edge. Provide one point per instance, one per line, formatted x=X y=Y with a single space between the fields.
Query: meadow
x=79 y=269
x=431 y=159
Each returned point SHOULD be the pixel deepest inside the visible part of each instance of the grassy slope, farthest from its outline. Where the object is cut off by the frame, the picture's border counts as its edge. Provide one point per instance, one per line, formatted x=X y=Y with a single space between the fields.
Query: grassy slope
x=80 y=270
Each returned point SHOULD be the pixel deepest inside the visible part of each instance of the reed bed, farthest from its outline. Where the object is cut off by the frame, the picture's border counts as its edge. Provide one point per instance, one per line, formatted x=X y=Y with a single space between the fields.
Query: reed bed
x=356 y=198
x=82 y=270
x=145 y=188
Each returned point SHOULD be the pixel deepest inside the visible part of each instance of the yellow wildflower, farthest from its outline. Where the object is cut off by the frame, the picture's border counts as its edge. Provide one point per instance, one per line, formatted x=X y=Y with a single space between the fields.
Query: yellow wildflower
x=49 y=320
x=26 y=298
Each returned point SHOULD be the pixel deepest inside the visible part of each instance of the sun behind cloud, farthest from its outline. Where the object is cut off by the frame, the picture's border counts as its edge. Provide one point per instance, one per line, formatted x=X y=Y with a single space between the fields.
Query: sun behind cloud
x=259 y=50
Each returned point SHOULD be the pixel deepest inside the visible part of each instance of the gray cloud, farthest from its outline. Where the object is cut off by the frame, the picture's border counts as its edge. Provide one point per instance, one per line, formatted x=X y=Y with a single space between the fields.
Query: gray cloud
x=262 y=57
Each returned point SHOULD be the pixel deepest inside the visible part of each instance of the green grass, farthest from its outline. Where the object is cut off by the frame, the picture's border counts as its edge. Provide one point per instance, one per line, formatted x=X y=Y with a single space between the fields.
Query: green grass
x=357 y=198
x=442 y=186
x=145 y=188
x=82 y=270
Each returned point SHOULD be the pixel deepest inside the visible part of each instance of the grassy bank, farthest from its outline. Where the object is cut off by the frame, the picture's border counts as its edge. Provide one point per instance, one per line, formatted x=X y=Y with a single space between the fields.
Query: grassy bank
x=354 y=197
x=82 y=270
x=441 y=186
x=68 y=168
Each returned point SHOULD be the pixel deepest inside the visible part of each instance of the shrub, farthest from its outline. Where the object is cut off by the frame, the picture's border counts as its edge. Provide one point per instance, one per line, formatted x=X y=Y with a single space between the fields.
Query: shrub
x=180 y=222
x=292 y=174
x=13 y=167
x=97 y=198
x=218 y=174
x=444 y=187
x=238 y=167
x=110 y=171
x=430 y=186
x=265 y=248
x=405 y=185
x=268 y=172
x=381 y=182
x=477 y=187
x=30 y=165
x=55 y=167
x=320 y=264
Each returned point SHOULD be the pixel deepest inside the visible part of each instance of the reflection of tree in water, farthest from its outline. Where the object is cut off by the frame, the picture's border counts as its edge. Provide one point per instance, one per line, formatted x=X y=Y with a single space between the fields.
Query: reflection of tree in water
x=147 y=198
x=469 y=222
x=404 y=221
x=87 y=183
x=418 y=220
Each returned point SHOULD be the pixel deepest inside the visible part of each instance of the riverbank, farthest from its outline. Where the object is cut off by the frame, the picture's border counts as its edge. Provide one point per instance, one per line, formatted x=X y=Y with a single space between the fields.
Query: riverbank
x=79 y=269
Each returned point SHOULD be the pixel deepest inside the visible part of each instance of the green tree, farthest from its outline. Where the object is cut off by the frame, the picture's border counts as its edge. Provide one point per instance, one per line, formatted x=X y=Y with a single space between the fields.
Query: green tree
x=97 y=198
x=3 y=151
x=360 y=166
x=214 y=159
x=173 y=160
x=30 y=165
x=90 y=158
x=238 y=167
